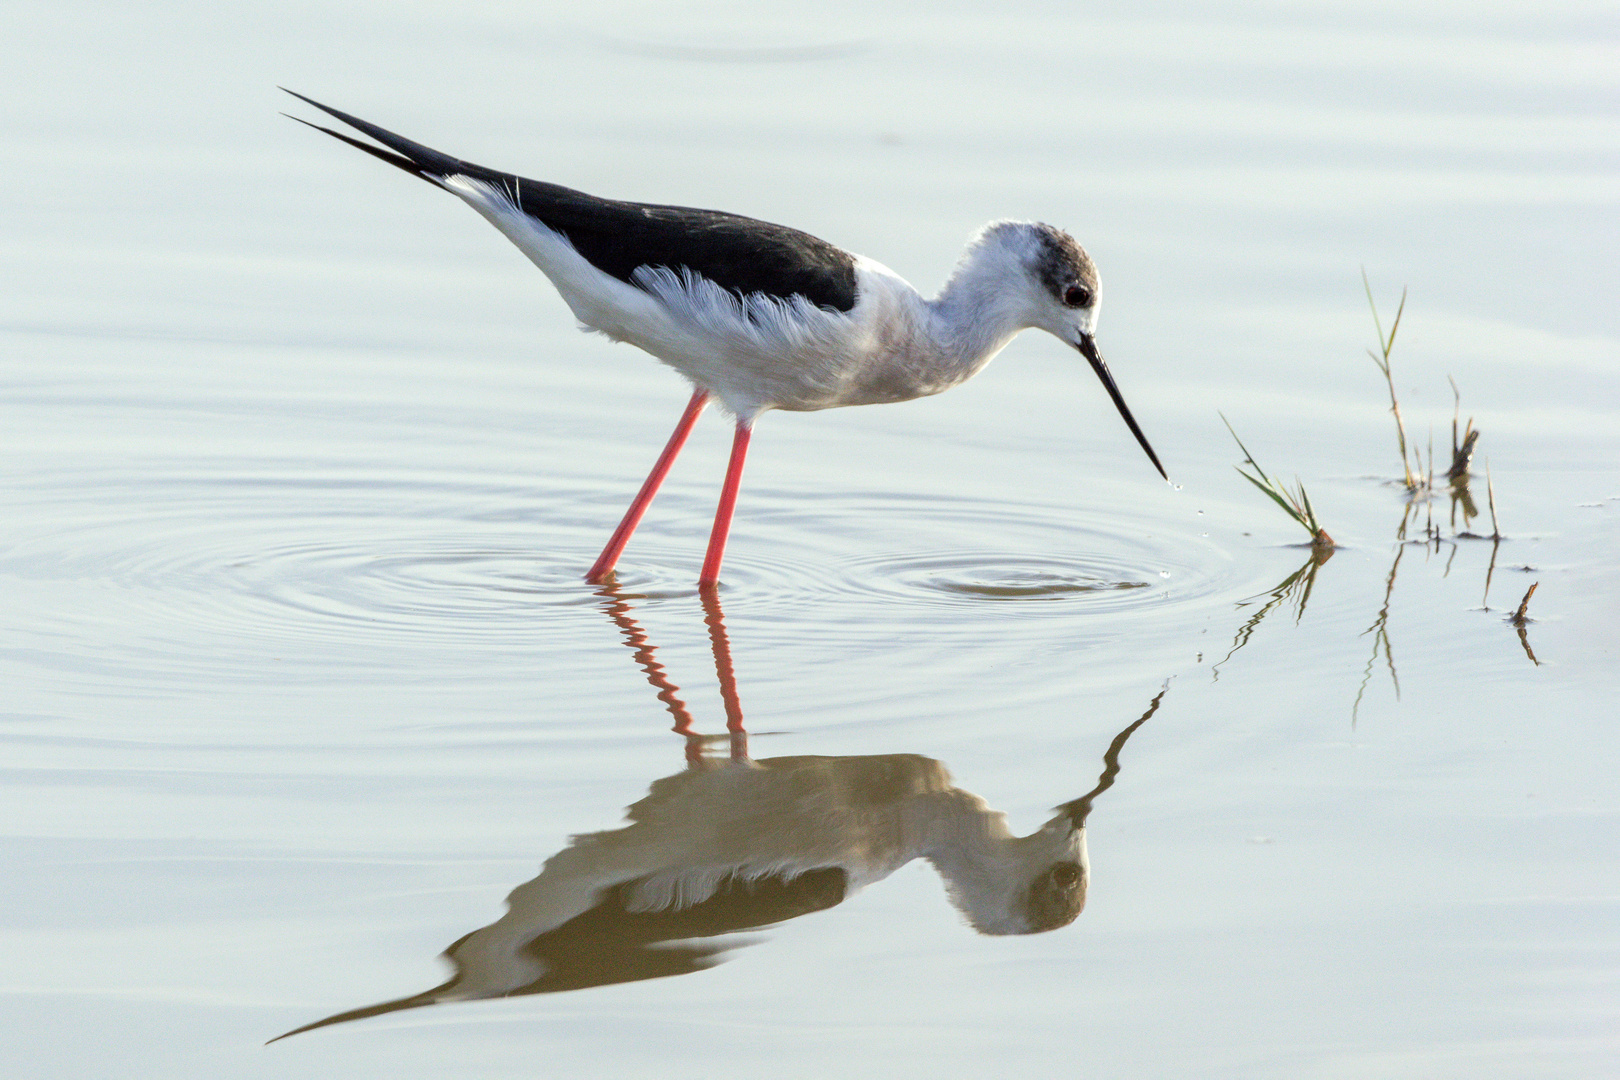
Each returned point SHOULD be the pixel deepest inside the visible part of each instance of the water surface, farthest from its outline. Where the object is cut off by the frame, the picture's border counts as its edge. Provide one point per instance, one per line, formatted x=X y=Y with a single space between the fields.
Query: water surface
x=303 y=464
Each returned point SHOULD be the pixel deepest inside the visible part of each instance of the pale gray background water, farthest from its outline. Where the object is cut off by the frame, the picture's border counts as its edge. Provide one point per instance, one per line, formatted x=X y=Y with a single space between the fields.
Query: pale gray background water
x=302 y=463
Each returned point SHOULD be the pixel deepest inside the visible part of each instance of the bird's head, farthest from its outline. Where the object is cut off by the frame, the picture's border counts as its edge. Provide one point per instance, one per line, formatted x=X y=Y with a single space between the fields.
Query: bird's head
x=1064 y=290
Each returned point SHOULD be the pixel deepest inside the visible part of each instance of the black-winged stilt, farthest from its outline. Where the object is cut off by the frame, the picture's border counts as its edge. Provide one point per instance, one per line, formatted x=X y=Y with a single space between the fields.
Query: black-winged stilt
x=762 y=316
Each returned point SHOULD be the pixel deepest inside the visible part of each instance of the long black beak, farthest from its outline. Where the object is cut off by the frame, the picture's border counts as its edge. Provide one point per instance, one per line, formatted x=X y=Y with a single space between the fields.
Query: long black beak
x=1088 y=349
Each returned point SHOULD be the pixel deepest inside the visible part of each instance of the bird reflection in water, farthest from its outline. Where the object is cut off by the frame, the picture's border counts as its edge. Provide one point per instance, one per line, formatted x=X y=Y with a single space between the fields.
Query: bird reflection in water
x=732 y=844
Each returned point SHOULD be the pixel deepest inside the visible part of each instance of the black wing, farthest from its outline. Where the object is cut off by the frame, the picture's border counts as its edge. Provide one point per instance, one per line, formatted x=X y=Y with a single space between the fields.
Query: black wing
x=737 y=253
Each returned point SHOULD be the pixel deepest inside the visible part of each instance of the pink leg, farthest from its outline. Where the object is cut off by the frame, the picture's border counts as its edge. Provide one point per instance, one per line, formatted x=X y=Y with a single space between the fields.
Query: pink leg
x=728 y=503
x=632 y=517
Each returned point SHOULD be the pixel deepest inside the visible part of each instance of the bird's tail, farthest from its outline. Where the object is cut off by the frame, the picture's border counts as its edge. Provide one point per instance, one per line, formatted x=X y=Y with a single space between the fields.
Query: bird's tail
x=413 y=157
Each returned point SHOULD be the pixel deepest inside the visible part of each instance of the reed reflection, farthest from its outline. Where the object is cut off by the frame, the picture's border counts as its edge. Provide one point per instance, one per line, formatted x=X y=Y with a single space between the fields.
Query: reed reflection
x=1293 y=591
x=1417 y=528
x=731 y=844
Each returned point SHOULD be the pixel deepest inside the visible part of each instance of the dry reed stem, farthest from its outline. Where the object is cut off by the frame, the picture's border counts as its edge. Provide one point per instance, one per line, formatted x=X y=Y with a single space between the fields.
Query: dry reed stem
x=1519 y=617
x=1462 y=452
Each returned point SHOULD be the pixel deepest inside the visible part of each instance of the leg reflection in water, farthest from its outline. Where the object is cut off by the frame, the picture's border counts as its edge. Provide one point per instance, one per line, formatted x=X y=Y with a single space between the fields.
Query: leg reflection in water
x=733 y=843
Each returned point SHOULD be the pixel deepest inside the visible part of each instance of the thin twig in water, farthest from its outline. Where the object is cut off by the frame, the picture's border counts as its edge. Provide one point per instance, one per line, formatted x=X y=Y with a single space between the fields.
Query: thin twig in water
x=1519 y=617
x=1490 y=496
x=1521 y=622
x=1496 y=534
x=1490 y=572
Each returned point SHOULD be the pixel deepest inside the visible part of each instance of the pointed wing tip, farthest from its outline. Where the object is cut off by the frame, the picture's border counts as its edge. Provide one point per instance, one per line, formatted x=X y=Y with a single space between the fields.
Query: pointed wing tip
x=409 y=155
x=399 y=161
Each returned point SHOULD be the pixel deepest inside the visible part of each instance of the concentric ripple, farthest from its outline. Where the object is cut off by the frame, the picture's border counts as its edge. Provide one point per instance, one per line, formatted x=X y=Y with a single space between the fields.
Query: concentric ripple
x=184 y=574
x=1004 y=560
x=987 y=577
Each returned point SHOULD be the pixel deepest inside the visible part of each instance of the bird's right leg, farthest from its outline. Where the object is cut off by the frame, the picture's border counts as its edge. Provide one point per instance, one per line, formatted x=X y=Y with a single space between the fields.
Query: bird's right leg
x=632 y=517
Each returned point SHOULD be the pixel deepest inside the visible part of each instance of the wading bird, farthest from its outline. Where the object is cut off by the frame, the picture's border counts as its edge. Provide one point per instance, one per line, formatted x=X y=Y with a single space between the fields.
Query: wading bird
x=763 y=316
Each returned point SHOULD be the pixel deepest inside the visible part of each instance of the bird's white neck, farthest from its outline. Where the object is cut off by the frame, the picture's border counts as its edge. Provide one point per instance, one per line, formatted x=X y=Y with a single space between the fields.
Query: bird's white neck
x=975 y=315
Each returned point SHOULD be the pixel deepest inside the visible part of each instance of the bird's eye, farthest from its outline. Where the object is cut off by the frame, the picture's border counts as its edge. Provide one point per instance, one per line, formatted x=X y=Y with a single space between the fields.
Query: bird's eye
x=1077 y=296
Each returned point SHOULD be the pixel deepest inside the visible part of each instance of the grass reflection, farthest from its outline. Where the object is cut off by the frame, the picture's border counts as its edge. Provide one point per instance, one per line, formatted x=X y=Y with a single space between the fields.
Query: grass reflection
x=1380 y=632
x=1294 y=591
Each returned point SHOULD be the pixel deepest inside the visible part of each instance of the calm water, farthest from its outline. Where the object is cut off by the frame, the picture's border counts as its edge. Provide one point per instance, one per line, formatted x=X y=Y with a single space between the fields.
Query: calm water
x=302 y=464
